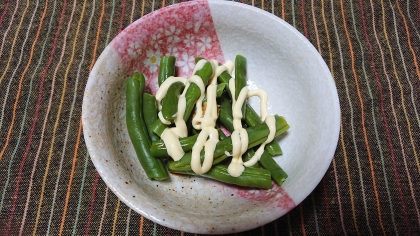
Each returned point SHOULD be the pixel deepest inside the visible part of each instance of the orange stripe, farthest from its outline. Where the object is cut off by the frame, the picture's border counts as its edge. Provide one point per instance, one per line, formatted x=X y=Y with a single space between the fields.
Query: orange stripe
x=97 y=35
x=50 y=154
x=401 y=90
x=79 y=131
x=282 y=9
x=363 y=118
x=9 y=132
x=302 y=219
x=114 y=224
x=76 y=149
x=142 y=8
x=26 y=69
x=14 y=42
x=341 y=131
x=141 y=225
x=163 y=3
x=328 y=35
x=409 y=40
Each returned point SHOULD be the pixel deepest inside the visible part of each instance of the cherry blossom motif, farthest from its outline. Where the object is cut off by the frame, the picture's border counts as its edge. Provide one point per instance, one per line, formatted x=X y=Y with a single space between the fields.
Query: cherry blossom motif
x=189 y=40
x=204 y=43
x=156 y=40
x=186 y=63
x=172 y=51
x=134 y=49
x=172 y=34
x=184 y=30
x=152 y=60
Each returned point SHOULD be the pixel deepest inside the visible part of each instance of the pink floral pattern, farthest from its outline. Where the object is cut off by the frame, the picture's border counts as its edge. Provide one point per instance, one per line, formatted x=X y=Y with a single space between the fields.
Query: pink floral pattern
x=184 y=30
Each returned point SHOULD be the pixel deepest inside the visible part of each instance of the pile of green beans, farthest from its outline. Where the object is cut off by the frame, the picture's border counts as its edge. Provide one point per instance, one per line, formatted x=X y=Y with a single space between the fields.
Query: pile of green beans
x=145 y=128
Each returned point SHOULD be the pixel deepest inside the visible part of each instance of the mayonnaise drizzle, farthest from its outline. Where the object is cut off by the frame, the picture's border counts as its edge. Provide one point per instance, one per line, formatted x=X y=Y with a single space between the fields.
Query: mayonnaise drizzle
x=239 y=136
x=207 y=125
x=209 y=137
x=170 y=136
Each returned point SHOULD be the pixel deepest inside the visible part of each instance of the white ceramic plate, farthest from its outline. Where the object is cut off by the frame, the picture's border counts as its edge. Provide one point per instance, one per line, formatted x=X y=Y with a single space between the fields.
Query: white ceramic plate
x=280 y=60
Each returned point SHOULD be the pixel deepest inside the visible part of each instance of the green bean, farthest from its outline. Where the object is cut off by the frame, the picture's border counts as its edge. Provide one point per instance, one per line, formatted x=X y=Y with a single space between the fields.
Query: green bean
x=170 y=102
x=154 y=168
x=158 y=148
x=277 y=173
x=166 y=68
x=250 y=177
x=252 y=118
x=256 y=135
x=248 y=155
x=193 y=92
x=225 y=103
x=220 y=89
x=222 y=136
x=158 y=127
x=226 y=119
x=150 y=114
x=240 y=79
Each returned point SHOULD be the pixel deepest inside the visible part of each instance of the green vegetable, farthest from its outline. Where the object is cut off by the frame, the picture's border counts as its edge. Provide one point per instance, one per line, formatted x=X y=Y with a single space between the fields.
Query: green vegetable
x=170 y=102
x=193 y=93
x=252 y=118
x=154 y=168
x=248 y=155
x=220 y=89
x=158 y=148
x=150 y=114
x=240 y=79
x=226 y=119
x=158 y=127
x=166 y=68
x=250 y=177
x=256 y=135
x=277 y=173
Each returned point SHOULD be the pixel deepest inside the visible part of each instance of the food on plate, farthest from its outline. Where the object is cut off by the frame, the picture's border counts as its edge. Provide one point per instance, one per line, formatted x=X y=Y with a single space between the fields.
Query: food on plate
x=183 y=124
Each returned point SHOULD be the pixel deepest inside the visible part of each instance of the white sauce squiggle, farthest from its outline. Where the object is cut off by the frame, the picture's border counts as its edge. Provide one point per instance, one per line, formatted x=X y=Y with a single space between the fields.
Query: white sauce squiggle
x=209 y=137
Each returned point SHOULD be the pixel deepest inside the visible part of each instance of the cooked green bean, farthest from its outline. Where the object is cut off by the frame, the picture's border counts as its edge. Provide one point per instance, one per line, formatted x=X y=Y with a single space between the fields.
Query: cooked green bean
x=256 y=135
x=277 y=173
x=158 y=127
x=154 y=168
x=222 y=135
x=240 y=79
x=252 y=118
x=170 y=102
x=150 y=114
x=220 y=89
x=166 y=68
x=158 y=148
x=248 y=155
x=193 y=92
x=226 y=119
x=250 y=177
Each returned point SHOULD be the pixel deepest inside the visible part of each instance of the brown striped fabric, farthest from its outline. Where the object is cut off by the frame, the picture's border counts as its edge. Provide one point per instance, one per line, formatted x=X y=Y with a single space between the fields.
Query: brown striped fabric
x=49 y=186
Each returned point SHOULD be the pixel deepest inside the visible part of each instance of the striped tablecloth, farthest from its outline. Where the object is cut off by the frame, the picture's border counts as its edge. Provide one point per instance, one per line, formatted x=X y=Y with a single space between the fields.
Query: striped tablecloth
x=49 y=186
